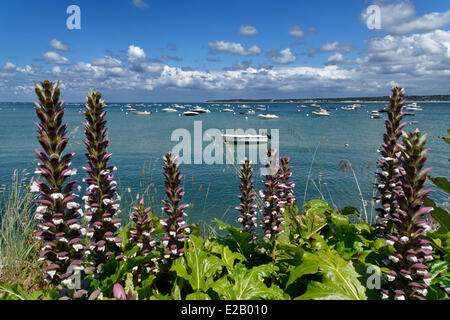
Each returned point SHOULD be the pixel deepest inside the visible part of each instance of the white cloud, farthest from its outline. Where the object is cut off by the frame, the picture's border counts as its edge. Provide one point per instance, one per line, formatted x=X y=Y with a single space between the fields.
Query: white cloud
x=336 y=46
x=233 y=48
x=401 y=18
x=296 y=32
x=140 y=4
x=107 y=61
x=247 y=31
x=51 y=57
x=58 y=45
x=282 y=57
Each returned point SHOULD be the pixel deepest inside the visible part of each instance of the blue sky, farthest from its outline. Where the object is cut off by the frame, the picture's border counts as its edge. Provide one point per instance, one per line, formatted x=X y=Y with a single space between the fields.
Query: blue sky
x=154 y=50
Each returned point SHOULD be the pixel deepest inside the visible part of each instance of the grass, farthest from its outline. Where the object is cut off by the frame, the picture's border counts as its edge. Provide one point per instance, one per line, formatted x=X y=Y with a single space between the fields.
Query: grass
x=18 y=248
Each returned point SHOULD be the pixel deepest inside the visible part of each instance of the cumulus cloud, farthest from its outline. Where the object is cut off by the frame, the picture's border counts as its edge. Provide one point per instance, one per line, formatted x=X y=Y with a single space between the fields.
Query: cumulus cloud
x=402 y=18
x=140 y=4
x=51 y=57
x=233 y=48
x=336 y=46
x=107 y=61
x=284 y=56
x=58 y=45
x=296 y=32
x=420 y=62
x=240 y=65
x=247 y=31
x=338 y=59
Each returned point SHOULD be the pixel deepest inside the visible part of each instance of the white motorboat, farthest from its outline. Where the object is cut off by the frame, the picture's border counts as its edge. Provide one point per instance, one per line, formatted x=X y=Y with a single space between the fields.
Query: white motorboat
x=413 y=107
x=267 y=116
x=190 y=113
x=321 y=113
x=349 y=108
x=244 y=106
x=198 y=109
x=375 y=114
x=228 y=110
x=144 y=113
x=302 y=106
x=251 y=112
x=245 y=138
x=169 y=110
x=177 y=106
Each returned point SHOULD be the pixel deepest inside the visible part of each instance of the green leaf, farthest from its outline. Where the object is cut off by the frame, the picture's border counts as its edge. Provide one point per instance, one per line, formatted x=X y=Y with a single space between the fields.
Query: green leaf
x=299 y=271
x=441 y=183
x=348 y=211
x=198 y=267
x=340 y=280
x=248 y=284
x=440 y=215
x=198 y=296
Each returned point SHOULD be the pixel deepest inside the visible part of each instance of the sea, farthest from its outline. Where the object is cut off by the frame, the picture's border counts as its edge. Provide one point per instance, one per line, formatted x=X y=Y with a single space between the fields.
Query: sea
x=319 y=149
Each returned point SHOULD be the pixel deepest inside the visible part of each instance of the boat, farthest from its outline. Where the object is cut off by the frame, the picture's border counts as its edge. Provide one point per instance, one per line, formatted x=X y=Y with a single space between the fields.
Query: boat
x=302 y=106
x=141 y=112
x=251 y=112
x=321 y=113
x=349 y=108
x=244 y=106
x=413 y=107
x=245 y=138
x=190 y=113
x=261 y=107
x=411 y=114
x=228 y=110
x=169 y=110
x=198 y=109
x=375 y=114
x=315 y=105
x=267 y=116
x=177 y=106
x=414 y=122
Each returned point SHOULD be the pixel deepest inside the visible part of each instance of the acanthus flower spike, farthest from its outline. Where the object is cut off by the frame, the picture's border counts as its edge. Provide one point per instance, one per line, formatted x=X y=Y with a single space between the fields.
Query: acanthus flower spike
x=141 y=235
x=247 y=208
x=175 y=226
x=389 y=165
x=410 y=253
x=101 y=200
x=57 y=213
x=272 y=210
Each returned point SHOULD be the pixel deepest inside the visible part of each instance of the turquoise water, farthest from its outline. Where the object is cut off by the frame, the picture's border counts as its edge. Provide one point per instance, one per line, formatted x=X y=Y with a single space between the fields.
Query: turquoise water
x=138 y=143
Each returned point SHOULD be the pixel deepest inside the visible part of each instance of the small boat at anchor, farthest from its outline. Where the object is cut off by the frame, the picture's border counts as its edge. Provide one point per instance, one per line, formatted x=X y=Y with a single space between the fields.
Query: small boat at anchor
x=141 y=113
x=321 y=113
x=375 y=114
x=200 y=110
x=245 y=138
x=267 y=116
x=190 y=113
x=169 y=110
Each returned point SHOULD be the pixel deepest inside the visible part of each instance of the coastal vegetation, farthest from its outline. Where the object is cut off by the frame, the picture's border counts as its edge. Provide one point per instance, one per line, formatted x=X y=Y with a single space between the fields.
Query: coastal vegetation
x=61 y=239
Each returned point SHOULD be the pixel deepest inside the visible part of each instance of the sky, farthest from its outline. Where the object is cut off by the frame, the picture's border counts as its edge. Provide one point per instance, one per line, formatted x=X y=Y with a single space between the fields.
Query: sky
x=167 y=50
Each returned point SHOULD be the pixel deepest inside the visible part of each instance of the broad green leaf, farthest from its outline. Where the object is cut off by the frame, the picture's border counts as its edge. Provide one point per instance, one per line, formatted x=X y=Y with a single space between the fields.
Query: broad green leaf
x=248 y=284
x=441 y=183
x=299 y=271
x=348 y=211
x=340 y=280
x=198 y=267
x=198 y=296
